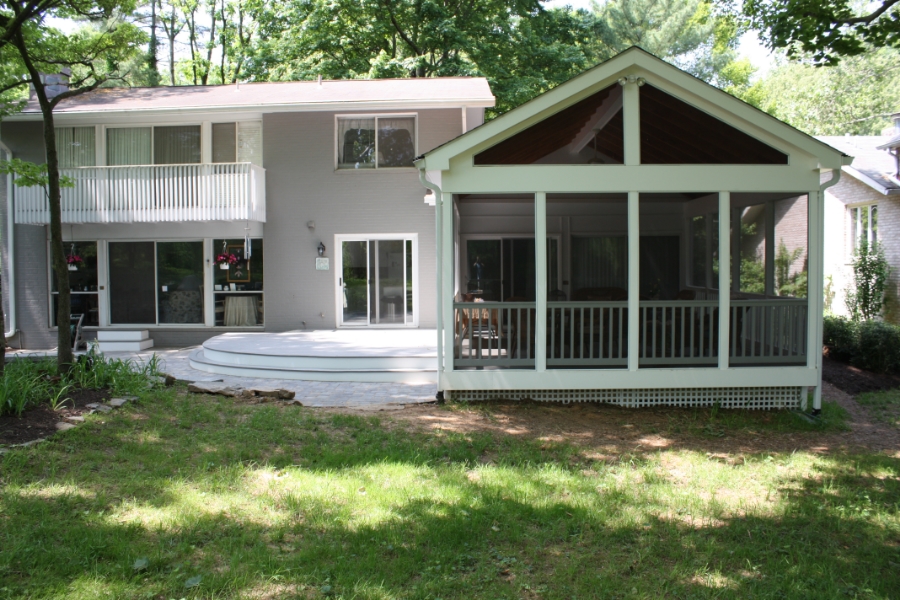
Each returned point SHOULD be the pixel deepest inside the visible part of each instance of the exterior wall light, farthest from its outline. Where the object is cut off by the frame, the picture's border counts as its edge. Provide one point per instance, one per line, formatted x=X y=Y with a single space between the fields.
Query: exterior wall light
x=321 y=249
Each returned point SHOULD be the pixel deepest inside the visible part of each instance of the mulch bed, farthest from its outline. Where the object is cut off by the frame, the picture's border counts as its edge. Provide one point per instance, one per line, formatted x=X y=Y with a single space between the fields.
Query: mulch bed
x=40 y=422
x=854 y=380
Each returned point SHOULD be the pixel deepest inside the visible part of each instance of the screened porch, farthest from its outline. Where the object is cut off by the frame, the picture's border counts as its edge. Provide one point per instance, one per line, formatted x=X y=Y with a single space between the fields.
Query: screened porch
x=587 y=282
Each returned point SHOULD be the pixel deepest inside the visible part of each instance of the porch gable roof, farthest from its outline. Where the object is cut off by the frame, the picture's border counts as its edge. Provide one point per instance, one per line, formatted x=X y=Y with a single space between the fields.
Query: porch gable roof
x=639 y=63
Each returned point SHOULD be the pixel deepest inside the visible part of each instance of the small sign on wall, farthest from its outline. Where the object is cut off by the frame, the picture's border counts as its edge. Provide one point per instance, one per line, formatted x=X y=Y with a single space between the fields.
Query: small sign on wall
x=321 y=264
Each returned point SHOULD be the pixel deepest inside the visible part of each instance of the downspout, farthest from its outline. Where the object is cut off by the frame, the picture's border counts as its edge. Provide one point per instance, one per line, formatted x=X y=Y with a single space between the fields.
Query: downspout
x=10 y=249
x=439 y=276
x=817 y=394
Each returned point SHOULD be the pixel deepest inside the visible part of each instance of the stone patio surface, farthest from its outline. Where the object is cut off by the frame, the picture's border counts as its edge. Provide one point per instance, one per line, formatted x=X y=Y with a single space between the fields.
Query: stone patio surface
x=372 y=396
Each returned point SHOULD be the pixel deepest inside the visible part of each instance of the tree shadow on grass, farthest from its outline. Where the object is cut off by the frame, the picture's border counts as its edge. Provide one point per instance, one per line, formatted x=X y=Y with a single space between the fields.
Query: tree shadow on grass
x=286 y=504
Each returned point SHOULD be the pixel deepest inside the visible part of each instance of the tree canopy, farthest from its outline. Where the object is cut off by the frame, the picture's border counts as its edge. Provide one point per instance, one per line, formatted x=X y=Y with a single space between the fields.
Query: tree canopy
x=825 y=30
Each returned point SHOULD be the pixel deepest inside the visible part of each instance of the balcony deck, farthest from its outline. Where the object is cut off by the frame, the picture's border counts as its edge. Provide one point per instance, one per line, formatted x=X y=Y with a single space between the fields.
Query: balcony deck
x=152 y=194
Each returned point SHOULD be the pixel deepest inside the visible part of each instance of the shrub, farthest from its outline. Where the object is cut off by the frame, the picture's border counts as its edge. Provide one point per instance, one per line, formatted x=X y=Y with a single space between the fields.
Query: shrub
x=870 y=281
x=879 y=347
x=842 y=336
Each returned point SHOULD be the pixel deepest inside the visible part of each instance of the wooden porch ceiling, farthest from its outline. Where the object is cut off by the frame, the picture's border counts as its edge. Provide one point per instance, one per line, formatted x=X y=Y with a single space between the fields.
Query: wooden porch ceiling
x=672 y=132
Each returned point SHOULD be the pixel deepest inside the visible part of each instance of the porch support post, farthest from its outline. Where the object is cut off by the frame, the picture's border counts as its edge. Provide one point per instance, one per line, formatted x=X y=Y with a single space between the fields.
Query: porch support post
x=770 y=248
x=631 y=123
x=814 y=292
x=446 y=259
x=540 y=248
x=724 y=276
x=634 y=278
x=439 y=281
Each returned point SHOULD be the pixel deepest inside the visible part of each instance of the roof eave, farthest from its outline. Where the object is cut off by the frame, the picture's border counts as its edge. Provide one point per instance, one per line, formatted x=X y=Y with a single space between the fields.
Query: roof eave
x=862 y=177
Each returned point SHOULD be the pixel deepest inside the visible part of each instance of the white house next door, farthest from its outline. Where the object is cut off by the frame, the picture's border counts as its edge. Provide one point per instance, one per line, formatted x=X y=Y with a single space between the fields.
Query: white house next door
x=376 y=280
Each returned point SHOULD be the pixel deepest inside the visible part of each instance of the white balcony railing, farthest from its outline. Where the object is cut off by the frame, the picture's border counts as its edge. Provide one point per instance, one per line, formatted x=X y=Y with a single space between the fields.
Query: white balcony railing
x=152 y=194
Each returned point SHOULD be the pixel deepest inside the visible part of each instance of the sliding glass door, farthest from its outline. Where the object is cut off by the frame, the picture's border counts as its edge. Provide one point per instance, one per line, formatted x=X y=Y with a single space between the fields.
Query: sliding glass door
x=375 y=283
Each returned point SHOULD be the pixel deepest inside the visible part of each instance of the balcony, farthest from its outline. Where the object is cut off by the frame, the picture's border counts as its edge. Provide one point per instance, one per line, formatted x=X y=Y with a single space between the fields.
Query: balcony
x=152 y=194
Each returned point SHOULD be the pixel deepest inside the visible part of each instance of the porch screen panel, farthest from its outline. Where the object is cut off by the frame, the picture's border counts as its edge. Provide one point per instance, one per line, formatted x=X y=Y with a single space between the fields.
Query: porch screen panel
x=659 y=268
x=356 y=143
x=699 y=251
x=224 y=143
x=485 y=275
x=76 y=147
x=129 y=146
x=791 y=247
x=752 y=244
x=599 y=262
x=132 y=283
x=177 y=145
x=180 y=280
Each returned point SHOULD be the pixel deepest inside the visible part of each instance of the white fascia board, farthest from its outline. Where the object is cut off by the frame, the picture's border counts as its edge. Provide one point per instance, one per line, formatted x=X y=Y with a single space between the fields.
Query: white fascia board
x=143 y=119
x=870 y=182
x=260 y=108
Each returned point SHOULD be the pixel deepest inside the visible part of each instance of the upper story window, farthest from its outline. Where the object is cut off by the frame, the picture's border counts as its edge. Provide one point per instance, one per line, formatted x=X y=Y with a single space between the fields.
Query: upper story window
x=864 y=224
x=171 y=145
x=359 y=147
x=76 y=147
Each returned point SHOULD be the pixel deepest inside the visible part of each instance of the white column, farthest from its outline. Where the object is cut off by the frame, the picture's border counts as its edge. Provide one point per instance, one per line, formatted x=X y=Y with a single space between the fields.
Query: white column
x=439 y=282
x=634 y=278
x=631 y=122
x=724 y=276
x=446 y=258
x=814 y=301
x=209 y=297
x=540 y=249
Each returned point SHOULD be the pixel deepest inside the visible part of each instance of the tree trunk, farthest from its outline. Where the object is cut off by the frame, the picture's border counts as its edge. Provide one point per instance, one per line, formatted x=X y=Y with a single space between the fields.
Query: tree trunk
x=64 y=355
x=152 y=61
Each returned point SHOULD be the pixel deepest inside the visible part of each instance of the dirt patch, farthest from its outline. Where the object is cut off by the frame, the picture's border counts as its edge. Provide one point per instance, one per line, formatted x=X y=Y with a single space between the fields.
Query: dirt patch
x=40 y=422
x=854 y=380
x=610 y=433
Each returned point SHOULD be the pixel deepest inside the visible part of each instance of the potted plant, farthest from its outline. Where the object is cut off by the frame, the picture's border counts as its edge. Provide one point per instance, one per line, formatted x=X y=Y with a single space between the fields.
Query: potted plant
x=74 y=261
x=226 y=260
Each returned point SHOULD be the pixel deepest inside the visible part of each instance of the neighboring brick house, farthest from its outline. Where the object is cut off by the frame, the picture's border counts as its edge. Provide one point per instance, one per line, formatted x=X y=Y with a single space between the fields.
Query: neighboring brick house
x=865 y=204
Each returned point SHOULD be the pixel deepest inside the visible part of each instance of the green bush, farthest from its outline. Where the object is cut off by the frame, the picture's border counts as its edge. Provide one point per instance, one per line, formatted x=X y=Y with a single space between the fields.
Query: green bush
x=879 y=347
x=842 y=336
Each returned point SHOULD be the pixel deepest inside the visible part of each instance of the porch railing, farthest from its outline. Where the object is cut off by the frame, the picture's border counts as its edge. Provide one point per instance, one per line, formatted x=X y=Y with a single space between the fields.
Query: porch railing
x=587 y=334
x=768 y=331
x=590 y=335
x=494 y=334
x=679 y=332
x=152 y=194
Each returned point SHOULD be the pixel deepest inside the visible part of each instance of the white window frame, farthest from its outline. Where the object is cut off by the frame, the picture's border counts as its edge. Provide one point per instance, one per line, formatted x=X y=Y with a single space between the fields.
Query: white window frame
x=103 y=298
x=376 y=116
x=855 y=222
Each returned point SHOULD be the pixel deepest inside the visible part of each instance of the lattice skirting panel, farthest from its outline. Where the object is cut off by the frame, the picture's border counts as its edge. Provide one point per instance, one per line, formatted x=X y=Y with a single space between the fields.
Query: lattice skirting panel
x=760 y=398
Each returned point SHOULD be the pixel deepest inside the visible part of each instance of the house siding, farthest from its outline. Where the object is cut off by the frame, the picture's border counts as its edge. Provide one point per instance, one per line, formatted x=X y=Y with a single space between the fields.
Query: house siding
x=302 y=185
x=838 y=241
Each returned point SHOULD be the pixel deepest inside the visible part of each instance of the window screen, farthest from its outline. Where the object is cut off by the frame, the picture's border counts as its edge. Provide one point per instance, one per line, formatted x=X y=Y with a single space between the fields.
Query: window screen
x=224 y=143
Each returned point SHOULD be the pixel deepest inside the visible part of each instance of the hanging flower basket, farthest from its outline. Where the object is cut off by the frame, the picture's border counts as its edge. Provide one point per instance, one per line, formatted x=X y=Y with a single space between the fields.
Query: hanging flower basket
x=74 y=261
x=226 y=260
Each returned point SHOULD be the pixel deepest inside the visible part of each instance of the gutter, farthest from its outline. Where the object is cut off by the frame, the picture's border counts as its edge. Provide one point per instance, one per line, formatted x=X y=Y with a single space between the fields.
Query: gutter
x=439 y=275
x=835 y=178
x=10 y=248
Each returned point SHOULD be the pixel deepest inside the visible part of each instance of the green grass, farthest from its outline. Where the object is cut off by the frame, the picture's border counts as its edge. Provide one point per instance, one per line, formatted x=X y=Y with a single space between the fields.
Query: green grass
x=272 y=501
x=885 y=405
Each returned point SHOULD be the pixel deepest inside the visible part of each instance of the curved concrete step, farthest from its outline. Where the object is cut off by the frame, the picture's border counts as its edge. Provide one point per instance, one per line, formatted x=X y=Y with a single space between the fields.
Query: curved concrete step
x=337 y=369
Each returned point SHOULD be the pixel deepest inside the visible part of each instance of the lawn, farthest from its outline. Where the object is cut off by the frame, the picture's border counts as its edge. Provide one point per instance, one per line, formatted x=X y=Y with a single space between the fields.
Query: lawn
x=206 y=497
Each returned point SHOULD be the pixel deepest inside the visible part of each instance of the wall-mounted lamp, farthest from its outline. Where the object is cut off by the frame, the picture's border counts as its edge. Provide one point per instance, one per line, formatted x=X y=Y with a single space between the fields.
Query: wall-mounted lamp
x=632 y=79
x=321 y=249
x=311 y=225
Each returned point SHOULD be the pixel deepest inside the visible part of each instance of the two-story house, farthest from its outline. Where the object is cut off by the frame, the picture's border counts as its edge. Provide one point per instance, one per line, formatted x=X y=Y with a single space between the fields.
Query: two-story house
x=292 y=181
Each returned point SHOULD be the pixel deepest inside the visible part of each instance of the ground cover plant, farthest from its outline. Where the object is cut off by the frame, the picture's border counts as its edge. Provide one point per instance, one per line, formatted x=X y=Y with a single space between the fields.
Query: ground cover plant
x=885 y=404
x=205 y=497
